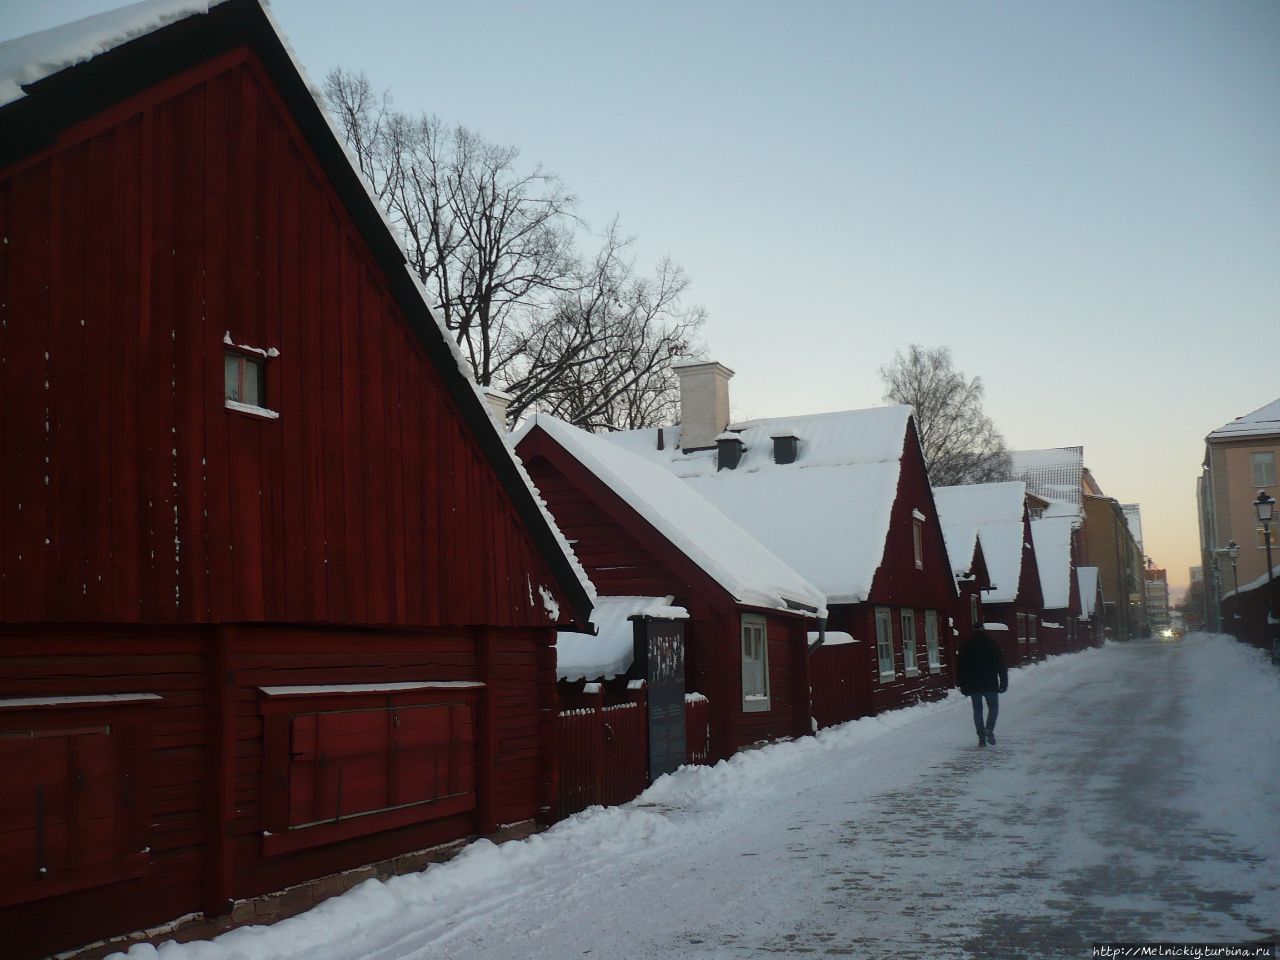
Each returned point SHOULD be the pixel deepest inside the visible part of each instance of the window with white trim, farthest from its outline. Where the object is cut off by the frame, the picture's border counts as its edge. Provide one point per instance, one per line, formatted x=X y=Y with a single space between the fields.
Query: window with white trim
x=884 y=642
x=917 y=541
x=931 y=640
x=1033 y=624
x=909 y=643
x=973 y=609
x=755 y=663
x=1263 y=468
x=1022 y=628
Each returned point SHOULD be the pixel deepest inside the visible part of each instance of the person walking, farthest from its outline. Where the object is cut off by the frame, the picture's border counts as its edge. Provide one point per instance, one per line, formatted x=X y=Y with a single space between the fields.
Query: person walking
x=983 y=676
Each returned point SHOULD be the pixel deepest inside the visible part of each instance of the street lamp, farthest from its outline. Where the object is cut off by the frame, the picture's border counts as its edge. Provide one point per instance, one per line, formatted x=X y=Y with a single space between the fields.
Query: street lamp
x=1233 y=551
x=1265 y=507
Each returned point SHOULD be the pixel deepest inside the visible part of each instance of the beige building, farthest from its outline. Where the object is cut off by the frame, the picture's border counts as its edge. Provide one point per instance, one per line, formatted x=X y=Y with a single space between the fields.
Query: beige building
x=1241 y=458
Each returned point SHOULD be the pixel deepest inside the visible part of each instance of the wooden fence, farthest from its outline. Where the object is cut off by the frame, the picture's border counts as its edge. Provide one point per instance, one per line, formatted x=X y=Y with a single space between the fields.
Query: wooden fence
x=604 y=750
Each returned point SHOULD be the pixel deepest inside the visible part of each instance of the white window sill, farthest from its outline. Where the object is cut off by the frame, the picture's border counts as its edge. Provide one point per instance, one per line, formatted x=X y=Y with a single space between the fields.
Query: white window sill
x=887 y=677
x=935 y=668
x=913 y=673
x=252 y=410
x=755 y=704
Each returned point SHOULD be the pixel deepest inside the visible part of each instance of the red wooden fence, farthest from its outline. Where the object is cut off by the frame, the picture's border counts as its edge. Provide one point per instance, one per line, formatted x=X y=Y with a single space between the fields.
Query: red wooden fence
x=604 y=751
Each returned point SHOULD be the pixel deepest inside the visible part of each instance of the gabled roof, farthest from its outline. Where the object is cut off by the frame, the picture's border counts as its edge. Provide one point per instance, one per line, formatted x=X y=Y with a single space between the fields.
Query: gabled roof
x=826 y=514
x=996 y=511
x=727 y=553
x=1051 y=537
x=1263 y=422
x=1087 y=577
x=56 y=78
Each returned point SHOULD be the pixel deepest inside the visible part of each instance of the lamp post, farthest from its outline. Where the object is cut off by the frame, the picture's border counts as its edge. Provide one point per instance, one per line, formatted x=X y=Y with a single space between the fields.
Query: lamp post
x=1265 y=506
x=1233 y=551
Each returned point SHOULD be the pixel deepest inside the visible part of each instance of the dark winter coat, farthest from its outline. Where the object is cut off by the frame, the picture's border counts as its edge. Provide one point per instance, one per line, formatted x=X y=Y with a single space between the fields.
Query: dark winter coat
x=980 y=666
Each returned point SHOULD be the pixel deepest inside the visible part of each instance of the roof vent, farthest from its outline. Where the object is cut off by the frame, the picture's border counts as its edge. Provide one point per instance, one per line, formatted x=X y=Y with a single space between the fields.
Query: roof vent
x=785 y=448
x=729 y=450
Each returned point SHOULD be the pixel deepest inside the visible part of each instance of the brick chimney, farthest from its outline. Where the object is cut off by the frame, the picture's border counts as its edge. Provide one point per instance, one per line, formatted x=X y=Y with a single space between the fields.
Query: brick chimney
x=704 y=402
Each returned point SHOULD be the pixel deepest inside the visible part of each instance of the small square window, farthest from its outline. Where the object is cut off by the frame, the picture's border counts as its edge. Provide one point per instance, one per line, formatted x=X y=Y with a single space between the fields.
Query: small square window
x=246 y=379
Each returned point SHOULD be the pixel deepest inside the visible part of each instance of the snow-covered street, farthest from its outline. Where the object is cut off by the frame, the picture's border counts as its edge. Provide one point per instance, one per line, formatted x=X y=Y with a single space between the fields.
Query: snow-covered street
x=1131 y=796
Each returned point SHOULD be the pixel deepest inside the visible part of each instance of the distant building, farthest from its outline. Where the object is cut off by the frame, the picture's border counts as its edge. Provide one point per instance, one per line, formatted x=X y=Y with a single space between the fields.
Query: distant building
x=1156 y=584
x=1240 y=459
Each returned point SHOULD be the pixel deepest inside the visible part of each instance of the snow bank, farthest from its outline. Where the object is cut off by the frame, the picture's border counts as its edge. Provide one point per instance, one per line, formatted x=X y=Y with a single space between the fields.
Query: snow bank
x=1234 y=703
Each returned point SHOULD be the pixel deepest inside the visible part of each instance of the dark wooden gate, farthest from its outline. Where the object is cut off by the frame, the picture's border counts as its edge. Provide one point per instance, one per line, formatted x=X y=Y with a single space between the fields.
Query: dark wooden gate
x=659 y=658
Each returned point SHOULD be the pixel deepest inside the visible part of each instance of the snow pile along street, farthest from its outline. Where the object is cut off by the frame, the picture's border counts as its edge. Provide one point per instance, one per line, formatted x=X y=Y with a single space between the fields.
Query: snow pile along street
x=1130 y=797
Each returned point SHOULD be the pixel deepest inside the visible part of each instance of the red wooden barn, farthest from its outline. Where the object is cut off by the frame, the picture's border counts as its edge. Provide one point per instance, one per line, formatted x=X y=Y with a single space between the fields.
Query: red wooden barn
x=844 y=499
x=640 y=532
x=1014 y=606
x=276 y=598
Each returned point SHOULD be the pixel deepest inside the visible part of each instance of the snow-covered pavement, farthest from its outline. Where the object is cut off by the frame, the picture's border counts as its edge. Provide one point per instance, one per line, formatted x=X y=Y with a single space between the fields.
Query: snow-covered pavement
x=1133 y=795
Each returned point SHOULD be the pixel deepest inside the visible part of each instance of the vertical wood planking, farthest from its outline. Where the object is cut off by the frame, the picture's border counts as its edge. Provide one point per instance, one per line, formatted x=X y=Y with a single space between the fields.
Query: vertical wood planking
x=344 y=561
x=293 y=543
x=376 y=464
x=354 y=467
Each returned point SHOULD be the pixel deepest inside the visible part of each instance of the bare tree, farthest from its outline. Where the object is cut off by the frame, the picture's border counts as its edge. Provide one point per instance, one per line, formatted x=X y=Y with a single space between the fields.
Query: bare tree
x=588 y=340
x=602 y=359
x=961 y=444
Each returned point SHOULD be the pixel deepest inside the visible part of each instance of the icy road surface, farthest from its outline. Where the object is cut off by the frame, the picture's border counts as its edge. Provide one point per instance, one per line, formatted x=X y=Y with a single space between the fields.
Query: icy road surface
x=1132 y=796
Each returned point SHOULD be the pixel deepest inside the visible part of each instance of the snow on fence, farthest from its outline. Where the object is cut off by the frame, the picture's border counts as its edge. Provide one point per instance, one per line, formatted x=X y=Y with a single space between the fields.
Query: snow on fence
x=604 y=749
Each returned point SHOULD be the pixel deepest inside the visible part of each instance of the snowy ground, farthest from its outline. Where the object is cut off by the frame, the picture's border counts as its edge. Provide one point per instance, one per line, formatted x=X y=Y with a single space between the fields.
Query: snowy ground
x=1132 y=796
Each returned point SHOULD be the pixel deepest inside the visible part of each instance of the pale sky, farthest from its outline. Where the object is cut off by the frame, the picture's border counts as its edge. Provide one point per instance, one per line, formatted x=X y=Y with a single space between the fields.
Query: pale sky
x=1081 y=199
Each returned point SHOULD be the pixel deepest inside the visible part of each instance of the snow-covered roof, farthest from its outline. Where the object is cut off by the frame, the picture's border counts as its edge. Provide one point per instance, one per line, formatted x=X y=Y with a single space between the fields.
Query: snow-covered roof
x=961 y=540
x=1263 y=422
x=995 y=510
x=832 y=638
x=1054 y=474
x=29 y=59
x=996 y=626
x=726 y=552
x=827 y=513
x=581 y=656
x=1052 y=540
x=1087 y=577
x=26 y=60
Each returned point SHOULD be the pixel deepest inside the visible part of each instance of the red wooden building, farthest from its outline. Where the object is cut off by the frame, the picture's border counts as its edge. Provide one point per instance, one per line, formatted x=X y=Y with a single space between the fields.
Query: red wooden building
x=1055 y=547
x=969 y=565
x=276 y=599
x=640 y=532
x=844 y=499
x=1001 y=514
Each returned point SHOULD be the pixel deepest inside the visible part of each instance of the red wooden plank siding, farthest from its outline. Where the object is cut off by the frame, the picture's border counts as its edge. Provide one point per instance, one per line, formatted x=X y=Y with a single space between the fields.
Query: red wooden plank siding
x=198 y=214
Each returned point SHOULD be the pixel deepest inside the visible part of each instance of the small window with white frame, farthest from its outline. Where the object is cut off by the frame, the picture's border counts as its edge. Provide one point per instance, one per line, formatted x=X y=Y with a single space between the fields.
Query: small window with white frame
x=1022 y=628
x=755 y=664
x=973 y=609
x=910 y=666
x=931 y=640
x=884 y=642
x=917 y=541
x=1263 y=468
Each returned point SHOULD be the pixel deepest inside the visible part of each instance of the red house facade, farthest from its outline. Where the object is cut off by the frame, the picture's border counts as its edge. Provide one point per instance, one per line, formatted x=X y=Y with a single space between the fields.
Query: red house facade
x=639 y=532
x=844 y=499
x=275 y=597
x=1015 y=602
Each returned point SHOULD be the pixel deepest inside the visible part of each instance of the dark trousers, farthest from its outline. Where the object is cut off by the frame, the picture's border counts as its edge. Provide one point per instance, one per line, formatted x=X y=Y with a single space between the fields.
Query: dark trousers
x=993 y=710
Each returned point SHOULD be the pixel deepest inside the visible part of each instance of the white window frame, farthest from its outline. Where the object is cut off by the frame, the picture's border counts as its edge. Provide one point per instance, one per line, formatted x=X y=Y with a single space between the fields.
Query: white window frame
x=910 y=665
x=1022 y=628
x=1260 y=478
x=884 y=643
x=973 y=609
x=931 y=640
x=1033 y=632
x=917 y=541
x=754 y=647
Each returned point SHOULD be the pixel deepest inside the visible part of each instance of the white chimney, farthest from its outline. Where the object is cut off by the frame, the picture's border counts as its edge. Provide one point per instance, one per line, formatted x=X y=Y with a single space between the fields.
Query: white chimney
x=704 y=402
x=497 y=402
